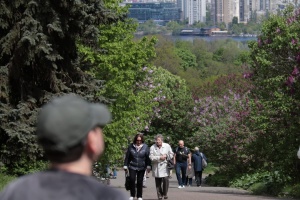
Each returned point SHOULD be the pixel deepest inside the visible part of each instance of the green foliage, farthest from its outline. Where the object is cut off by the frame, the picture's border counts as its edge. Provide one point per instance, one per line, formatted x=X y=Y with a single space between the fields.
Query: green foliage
x=222 y=26
x=265 y=182
x=23 y=167
x=188 y=60
x=235 y=20
x=222 y=131
x=220 y=85
x=175 y=27
x=5 y=179
x=120 y=62
x=149 y=27
x=193 y=61
x=218 y=180
x=259 y=188
x=292 y=191
x=166 y=55
x=38 y=60
x=210 y=169
x=275 y=105
x=171 y=115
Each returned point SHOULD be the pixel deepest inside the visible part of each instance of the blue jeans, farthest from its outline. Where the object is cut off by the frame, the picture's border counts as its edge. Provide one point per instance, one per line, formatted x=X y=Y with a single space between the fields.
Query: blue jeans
x=181 y=166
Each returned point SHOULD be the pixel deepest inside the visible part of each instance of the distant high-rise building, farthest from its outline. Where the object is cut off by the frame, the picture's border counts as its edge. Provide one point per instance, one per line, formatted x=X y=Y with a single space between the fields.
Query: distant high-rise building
x=159 y=12
x=218 y=11
x=264 y=5
x=181 y=6
x=224 y=10
x=231 y=9
x=195 y=11
x=244 y=11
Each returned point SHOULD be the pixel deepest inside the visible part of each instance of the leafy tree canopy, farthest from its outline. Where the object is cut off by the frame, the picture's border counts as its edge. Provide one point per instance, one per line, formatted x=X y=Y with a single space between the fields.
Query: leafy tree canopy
x=275 y=72
x=38 y=59
x=122 y=62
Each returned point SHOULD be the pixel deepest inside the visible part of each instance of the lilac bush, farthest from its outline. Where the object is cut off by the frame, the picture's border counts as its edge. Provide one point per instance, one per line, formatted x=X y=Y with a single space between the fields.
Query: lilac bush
x=223 y=131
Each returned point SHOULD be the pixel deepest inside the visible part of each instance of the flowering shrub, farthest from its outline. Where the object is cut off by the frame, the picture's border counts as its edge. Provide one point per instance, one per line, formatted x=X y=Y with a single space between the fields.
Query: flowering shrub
x=173 y=101
x=276 y=99
x=223 y=131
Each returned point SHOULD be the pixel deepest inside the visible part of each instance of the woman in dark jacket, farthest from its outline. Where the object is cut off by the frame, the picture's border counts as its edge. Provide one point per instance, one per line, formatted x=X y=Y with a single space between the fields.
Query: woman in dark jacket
x=137 y=161
x=197 y=160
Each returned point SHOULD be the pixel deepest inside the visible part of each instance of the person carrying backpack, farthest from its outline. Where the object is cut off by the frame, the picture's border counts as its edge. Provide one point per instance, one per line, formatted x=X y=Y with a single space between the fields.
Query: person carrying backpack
x=197 y=160
x=182 y=161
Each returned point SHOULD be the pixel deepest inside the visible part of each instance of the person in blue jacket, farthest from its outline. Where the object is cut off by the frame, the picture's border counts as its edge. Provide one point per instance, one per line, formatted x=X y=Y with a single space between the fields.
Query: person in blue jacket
x=197 y=160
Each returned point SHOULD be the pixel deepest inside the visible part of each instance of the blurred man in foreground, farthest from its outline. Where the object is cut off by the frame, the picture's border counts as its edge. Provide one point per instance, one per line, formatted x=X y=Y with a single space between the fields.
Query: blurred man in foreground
x=70 y=131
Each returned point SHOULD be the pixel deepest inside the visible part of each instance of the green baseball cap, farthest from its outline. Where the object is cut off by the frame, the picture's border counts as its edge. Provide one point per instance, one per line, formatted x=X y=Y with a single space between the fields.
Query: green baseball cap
x=65 y=121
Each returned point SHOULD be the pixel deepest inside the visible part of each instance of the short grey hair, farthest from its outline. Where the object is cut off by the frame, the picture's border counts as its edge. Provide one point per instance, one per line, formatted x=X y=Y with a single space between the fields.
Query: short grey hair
x=159 y=136
x=196 y=148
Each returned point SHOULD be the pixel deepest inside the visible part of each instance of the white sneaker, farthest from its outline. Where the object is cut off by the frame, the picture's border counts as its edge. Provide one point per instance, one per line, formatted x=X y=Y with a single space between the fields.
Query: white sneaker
x=130 y=198
x=139 y=199
x=183 y=186
x=180 y=186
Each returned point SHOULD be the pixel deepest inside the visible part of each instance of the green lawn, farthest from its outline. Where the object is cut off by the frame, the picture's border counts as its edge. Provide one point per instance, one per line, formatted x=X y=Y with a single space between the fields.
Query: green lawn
x=4 y=180
x=210 y=169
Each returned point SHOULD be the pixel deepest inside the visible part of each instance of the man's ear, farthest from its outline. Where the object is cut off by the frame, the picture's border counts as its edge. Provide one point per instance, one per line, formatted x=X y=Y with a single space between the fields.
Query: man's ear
x=91 y=144
x=95 y=143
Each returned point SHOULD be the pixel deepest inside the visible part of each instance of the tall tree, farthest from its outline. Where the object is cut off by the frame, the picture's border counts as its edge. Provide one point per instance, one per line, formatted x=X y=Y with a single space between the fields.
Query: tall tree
x=38 y=59
x=171 y=117
x=122 y=63
x=275 y=64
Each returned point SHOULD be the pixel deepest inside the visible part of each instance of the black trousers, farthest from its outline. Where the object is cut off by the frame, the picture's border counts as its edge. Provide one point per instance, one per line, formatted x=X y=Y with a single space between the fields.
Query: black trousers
x=162 y=186
x=198 y=177
x=138 y=176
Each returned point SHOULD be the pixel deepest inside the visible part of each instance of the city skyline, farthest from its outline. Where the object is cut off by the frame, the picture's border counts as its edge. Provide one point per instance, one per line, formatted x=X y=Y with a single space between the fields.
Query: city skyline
x=194 y=11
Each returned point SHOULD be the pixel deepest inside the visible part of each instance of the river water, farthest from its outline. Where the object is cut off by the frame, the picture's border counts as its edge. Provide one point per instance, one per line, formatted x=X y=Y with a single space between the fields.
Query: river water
x=242 y=42
x=213 y=38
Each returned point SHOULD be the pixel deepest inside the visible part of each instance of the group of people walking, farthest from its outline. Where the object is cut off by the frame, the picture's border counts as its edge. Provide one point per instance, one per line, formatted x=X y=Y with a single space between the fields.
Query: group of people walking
x=139 y=158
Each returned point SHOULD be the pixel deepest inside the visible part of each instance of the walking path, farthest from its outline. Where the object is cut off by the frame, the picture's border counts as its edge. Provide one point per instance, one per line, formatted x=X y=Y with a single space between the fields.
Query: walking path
x=190 y=193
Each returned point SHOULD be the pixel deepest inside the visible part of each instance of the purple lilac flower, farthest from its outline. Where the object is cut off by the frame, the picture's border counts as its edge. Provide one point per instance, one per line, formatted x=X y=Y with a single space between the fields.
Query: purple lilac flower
x=298 y=58
x=290 y=20
x=290 y=81
x=295 y=71
x=268 y=41
x=259 y=42
x=247 y=75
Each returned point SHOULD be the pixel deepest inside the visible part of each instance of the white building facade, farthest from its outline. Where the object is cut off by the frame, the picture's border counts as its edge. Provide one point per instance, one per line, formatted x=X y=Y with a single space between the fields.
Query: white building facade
x=195 y=11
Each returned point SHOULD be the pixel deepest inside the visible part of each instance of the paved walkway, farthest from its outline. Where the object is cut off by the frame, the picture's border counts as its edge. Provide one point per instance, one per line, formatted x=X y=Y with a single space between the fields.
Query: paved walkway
x=190 y=193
